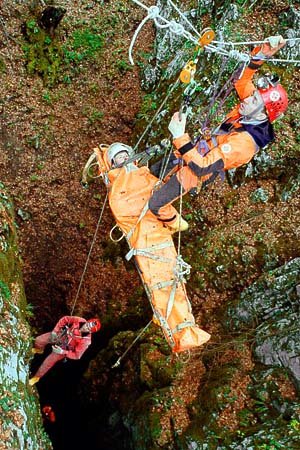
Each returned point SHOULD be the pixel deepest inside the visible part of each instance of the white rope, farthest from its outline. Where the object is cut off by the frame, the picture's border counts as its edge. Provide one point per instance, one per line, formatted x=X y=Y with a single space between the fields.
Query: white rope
x=182 y=268
x=160 y=25
x=178 y=29
x=153 y=12
x=294 y=61
x=117 y=363
x=244 y=57
x=156 y=114
x=184 y=17
x=251 y=42
x=89 y=254
x=231 y=53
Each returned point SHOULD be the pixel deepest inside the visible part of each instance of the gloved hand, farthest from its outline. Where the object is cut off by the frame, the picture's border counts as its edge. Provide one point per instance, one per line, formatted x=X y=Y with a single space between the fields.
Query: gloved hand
x=154 y=150
x=177 y=126
x=271 y=47
x=57 y=349
x=54 y=336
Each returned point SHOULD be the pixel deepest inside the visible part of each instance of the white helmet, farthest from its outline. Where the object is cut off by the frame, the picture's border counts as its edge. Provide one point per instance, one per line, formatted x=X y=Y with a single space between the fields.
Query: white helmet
x=116 y=148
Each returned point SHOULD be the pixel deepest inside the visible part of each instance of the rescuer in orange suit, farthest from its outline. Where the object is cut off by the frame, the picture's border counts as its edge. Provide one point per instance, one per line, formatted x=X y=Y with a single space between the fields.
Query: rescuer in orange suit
x=247 y=128
x=70 y=338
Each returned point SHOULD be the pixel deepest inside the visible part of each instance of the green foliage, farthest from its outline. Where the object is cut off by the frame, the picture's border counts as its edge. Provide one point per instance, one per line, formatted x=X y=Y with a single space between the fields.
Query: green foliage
x=29 y=311
x=123 y=66
x=95 y=116
x=46 y=56
x=43 y=55
x=83 y=44
x=148 y=106
x=4 y=290
x=47 y=97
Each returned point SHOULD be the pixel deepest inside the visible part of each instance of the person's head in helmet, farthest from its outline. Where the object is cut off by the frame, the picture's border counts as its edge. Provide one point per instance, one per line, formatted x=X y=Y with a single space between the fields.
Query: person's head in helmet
x=253 y=107
x=91 y=326
x=118 y=153
x=269 y=101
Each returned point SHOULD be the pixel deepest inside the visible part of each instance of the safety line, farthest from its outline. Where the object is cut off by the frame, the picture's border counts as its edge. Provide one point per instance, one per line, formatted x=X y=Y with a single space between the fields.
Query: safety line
x=118 y=362
x=177 y=28
x=89 y=254
x=184 y=17
x=251 y=42
x=180 y=209
x=157 y=112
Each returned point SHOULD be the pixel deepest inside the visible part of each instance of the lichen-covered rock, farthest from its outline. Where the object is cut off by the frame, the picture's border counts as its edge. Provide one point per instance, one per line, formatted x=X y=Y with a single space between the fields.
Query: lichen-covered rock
x=20 y=419
x=271 y=305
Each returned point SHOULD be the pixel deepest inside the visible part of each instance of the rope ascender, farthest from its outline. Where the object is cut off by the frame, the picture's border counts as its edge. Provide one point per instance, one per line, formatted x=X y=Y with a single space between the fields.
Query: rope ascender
x=203 y=41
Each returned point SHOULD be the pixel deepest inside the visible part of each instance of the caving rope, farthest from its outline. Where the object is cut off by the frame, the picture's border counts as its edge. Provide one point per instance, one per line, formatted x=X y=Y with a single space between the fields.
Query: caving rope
x=118 y=362
x=89 y=255
x=202 y=42
x=178 y=29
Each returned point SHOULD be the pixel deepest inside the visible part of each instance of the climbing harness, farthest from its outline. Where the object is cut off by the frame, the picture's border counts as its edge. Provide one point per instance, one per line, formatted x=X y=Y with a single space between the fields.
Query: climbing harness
x=203 y=42
x=170 y=290
x=206 y=42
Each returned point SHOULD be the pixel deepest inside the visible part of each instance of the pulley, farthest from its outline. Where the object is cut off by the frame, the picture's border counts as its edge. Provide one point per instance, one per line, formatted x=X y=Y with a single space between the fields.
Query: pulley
x=188 y=72
x=206 y=37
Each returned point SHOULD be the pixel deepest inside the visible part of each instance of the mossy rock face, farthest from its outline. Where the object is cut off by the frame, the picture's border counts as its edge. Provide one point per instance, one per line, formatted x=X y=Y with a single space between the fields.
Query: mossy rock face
x=43 y=53
x=21 y=424
x=271 y=419
x=271 y=305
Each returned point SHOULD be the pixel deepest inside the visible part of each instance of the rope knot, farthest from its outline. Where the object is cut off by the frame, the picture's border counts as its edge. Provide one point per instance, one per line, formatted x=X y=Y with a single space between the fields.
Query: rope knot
x=176 y=27
x=181 y=269
x=239 y=56
x=153 y=12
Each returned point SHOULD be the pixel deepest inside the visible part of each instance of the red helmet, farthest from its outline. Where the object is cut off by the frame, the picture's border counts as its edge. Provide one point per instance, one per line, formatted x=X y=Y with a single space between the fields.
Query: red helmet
x=48 y=413
x=94 y=325
x=275 y=99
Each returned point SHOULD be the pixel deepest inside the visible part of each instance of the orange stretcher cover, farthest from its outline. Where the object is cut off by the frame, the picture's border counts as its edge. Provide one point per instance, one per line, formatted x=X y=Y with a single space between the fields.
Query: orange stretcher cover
x=130 y=188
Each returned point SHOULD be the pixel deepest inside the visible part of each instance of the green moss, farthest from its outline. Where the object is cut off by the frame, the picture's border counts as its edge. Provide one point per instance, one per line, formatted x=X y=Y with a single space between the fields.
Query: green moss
x=157 y=368
x=85 y=43
x=43 y=54
x=4 y=290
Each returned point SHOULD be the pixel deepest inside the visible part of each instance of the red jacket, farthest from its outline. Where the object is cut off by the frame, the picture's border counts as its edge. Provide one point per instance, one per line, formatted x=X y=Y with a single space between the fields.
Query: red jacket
x=70 y=338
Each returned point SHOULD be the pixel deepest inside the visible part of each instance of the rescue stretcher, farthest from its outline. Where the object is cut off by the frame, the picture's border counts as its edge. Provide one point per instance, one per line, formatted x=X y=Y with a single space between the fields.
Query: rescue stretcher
x=150 y=243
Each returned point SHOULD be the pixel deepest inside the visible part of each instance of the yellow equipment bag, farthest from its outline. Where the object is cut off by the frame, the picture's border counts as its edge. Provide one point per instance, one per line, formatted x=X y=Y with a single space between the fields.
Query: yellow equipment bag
x=152 y=246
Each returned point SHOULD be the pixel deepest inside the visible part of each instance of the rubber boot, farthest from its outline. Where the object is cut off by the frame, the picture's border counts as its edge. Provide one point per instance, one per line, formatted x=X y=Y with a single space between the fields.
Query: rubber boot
x=33 y=380
x=179 y=224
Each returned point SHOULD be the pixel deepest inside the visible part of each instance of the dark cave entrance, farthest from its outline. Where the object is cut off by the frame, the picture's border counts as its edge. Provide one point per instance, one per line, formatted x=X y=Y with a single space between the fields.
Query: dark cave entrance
x=77 y=425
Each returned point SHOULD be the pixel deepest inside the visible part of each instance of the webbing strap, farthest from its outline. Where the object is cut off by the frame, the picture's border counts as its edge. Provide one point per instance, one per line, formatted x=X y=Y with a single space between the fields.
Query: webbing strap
x=148 y=252
x=161 y=285
x=167 y=330
x=171 y=299
x=144 y=210
x=183 y=325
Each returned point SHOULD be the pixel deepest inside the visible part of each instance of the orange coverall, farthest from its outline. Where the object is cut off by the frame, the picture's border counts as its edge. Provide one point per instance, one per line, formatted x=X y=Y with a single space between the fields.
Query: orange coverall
x=230 y=149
